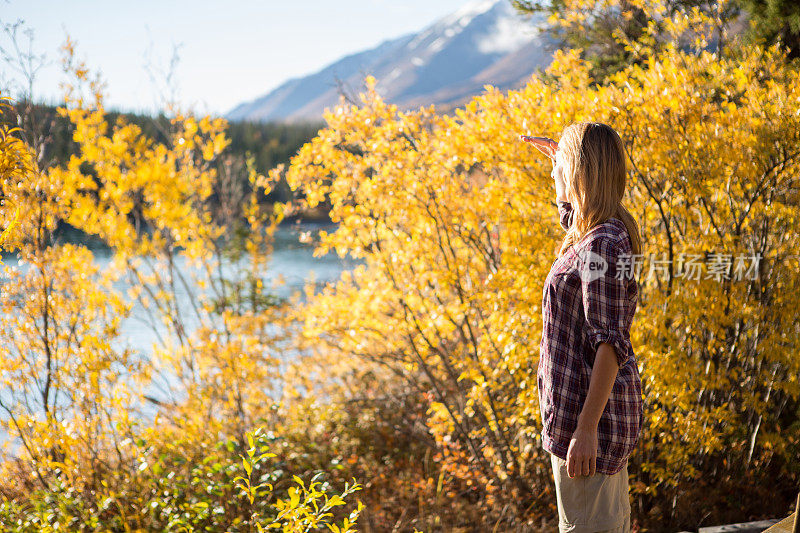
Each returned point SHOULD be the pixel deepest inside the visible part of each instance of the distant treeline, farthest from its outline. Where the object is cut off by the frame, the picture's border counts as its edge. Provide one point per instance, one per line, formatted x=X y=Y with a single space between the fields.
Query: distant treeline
x=269 y=143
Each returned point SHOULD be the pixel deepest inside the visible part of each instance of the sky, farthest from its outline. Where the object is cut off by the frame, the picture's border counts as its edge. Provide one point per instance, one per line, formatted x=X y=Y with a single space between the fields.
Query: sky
x=229 y=52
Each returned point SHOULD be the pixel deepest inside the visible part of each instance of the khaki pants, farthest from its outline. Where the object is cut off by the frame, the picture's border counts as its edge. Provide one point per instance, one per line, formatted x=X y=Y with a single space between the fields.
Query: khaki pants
x=591 y=504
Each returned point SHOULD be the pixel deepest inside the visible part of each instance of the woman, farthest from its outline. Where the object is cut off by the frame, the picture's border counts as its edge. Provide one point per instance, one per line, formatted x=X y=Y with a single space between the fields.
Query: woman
x=589 y=388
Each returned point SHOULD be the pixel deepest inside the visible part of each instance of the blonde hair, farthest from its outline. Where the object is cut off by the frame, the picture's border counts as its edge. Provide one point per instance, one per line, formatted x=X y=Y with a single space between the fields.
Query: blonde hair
x=594 y=175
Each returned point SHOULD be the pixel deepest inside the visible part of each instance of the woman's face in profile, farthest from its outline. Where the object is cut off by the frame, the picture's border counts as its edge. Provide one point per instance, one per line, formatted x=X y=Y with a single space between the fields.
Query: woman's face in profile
x=559 y=164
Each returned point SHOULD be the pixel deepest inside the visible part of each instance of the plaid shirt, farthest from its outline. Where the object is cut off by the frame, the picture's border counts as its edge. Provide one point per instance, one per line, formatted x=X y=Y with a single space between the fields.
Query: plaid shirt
x=582 y=306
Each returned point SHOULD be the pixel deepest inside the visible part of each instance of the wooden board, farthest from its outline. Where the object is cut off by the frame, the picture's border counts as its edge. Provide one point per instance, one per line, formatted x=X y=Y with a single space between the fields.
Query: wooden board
x=758 y=526
x=784 y=526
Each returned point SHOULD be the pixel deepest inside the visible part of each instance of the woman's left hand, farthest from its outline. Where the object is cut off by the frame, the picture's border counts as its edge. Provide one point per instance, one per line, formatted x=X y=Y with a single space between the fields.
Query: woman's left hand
x=545 y=145
x=582 y=452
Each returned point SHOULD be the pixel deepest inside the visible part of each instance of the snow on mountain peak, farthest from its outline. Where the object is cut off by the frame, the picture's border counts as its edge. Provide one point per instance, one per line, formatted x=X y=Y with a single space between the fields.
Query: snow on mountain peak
x=508 y=33
x=464 y=15
x=484 y=41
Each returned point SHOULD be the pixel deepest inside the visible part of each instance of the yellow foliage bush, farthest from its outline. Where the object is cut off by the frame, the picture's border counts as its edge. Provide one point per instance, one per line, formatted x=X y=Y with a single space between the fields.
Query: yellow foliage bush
x=80 y=452
x=457 y=226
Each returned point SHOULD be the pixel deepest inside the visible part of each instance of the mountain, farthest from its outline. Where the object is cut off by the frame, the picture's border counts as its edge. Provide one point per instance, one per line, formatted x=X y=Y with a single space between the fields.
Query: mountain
x=484 y=42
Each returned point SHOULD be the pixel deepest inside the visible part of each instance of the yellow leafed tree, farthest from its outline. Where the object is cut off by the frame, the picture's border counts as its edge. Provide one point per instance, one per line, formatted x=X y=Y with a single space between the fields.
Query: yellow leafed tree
x=66 y=387
x=177 y=219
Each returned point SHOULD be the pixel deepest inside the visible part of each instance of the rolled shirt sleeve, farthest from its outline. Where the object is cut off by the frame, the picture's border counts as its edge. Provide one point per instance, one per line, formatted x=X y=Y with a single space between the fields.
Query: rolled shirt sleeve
x=564 y=214
x=605 y=297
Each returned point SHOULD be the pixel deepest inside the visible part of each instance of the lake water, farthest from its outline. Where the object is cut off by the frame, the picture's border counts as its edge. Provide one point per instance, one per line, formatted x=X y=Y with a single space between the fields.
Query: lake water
x=291 y=259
